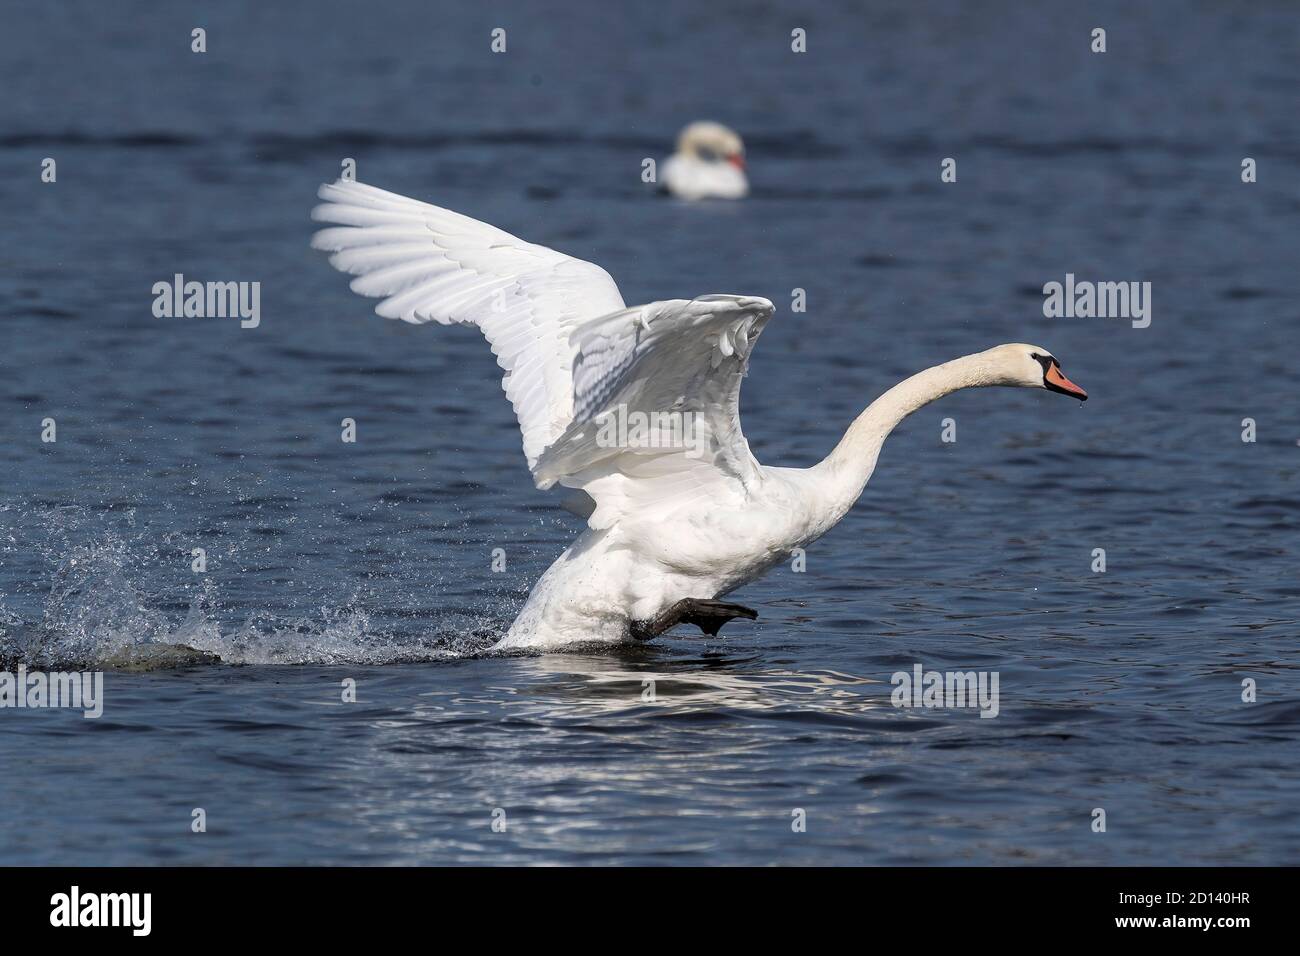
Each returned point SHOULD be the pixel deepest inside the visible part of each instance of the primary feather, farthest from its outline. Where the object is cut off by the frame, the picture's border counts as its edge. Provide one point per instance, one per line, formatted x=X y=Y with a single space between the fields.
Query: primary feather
x=572 y=351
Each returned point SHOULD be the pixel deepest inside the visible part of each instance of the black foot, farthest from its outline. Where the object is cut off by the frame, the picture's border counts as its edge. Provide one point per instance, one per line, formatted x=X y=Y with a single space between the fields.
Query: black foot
x=708 y=616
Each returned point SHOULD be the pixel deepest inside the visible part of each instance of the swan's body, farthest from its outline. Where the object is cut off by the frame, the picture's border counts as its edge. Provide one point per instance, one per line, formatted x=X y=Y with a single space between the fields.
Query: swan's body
x=709 y=164
x=677 y=511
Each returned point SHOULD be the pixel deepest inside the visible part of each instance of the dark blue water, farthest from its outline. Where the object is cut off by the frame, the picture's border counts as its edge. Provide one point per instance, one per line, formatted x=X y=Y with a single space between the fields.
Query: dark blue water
x=372 y=561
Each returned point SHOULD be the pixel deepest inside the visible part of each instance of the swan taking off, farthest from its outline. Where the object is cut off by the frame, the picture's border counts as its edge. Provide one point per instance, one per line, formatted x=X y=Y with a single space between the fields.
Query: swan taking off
x=709 y=164
x=637 y=409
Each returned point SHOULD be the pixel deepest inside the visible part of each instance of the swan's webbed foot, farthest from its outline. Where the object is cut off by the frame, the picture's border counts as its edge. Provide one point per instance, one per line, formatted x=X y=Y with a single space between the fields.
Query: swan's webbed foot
x=708 y=616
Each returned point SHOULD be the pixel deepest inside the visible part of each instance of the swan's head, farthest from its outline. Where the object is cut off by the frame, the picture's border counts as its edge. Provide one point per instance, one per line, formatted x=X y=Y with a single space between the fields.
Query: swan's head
x=712 y=142
x=1032 y=366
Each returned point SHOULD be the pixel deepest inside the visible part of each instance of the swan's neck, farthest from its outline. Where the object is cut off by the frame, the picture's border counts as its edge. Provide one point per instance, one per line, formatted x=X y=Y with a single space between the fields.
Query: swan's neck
x=845 y=471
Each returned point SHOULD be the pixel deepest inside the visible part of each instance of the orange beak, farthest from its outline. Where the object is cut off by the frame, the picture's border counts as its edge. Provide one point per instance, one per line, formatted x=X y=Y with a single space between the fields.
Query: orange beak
x=737 y=160
x=1057 y=382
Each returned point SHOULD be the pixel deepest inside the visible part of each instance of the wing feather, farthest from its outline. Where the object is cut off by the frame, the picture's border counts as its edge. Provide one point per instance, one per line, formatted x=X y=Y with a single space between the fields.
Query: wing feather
x=678 y=364
x=428 y=264
x=574 y=355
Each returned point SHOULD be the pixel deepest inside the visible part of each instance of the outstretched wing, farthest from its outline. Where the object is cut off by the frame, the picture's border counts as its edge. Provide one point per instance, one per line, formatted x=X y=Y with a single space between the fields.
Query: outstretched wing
x=431 y=265
x=656 y=401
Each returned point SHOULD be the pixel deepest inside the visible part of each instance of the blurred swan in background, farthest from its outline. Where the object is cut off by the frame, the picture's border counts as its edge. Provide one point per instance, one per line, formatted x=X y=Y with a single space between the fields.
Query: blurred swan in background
x=637 y=409
x=709 y=164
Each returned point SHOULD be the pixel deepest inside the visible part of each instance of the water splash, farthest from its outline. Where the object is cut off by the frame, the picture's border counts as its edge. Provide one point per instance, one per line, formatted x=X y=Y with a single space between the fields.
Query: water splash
x=108 y=604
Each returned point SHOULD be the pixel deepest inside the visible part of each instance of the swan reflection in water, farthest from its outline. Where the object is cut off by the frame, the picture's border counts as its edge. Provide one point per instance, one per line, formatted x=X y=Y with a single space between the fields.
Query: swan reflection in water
x=629 y=680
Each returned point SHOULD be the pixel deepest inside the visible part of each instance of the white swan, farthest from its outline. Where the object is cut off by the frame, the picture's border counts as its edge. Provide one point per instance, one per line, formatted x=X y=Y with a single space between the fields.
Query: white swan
x=709 y=164
x=636 y=408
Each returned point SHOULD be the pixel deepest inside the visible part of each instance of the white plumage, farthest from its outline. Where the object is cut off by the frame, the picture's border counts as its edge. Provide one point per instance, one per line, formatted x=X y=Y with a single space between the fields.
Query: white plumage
x=432 y=265
x=680 y=509
x=709 y=164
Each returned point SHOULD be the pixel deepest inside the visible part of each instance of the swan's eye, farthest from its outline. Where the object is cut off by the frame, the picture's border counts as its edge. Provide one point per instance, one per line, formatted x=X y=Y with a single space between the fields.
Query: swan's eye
x=1046 y=361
